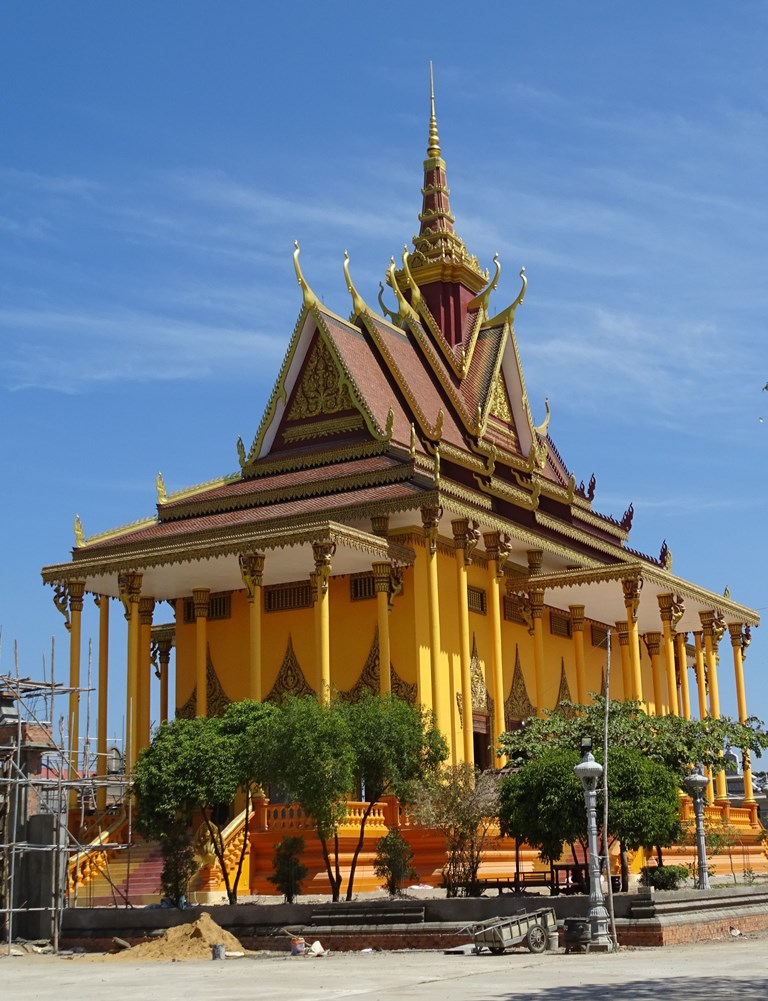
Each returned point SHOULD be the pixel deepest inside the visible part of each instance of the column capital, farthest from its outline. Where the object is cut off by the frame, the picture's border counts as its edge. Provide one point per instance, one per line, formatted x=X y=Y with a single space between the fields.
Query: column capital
x=713 y=626
x=201 y=597
x=251 y=572
x=741 y=636
x=76 y=589
x=631 y=586
x=536 y=603
x=622 y=628
x=577 y=618
x=671 y=608
x=466 y=536
x=380 y=525
x=129 y=590
x=382 y=575
x=146 y=608
x=653 y=643
x=323 y=551
x=498 y=548
x=535 y=560
x=430 y=519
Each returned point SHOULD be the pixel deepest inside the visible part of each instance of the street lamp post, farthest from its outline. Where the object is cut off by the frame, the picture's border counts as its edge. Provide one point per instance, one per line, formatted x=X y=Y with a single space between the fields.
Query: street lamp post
x=697 y=784
x=589 y=771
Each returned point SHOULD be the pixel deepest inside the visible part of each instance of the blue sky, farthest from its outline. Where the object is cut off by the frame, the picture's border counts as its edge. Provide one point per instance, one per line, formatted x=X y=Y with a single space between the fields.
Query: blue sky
x=157 y=160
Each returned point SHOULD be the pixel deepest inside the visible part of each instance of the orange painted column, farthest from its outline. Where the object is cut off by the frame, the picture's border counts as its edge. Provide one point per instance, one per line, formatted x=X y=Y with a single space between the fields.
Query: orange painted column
x=202 y=598
x=536 y=603
x=653 y=645
x=129 y=585
x=577 y=633
x=496 y=553
x=164 y=645
x=102 y=603
x=626 y=669
x=430 y=517
x=631 y=601
x=667 y=612
x=146 y=608
x=323 y=553
x=76 y=590
x=713 y=631
x=252 y=573
x=682 y=659
x=382 y=577
x=462 y=543
x=740 y=639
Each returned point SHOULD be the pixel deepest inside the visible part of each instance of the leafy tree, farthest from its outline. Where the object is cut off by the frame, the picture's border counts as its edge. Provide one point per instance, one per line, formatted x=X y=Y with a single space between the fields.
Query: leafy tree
x=288 y=870
x=543 y=803
x=669 y=740
x=393 y=862
x=179 y=864
x=394 y=744
x=191 y=766
x=308 y=754
x=463 y=805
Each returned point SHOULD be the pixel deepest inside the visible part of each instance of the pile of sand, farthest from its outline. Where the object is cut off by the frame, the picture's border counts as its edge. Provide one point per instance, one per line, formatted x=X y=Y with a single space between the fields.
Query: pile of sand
x=191 y=941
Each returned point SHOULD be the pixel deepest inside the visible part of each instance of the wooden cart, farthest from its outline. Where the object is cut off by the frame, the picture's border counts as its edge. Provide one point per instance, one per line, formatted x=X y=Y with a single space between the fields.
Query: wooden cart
x=531 y=928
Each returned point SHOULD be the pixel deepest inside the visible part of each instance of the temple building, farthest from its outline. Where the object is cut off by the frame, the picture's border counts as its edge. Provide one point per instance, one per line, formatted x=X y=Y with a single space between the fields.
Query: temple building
x=401 y=520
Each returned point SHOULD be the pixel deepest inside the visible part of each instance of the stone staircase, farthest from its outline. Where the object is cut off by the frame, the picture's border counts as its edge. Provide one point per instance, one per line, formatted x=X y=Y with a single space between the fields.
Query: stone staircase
x=127 y=877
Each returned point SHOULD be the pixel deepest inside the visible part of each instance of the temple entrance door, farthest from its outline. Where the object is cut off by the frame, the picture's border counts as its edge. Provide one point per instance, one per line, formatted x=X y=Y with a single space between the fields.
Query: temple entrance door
x=481 y=740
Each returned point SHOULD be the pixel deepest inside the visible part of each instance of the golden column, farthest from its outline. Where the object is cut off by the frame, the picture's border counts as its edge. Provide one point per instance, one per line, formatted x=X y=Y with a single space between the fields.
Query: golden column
x=701 y=678
x=252 y=572
x=464 y=544
x=146 y=608
x=667 y=612
x=626 y=670
x=323 y=553
x=577 y=632
x=76 y=590
x=740 y=640
x=682 y=660
x=163 y=638
x=382 y=578
x=430 y=519
x=129 y=587
x=497 y=550
x=102 y=603
x=653 y=645
x=631 y=590
x=536 y=603
x=713 y=629
x=201 y=596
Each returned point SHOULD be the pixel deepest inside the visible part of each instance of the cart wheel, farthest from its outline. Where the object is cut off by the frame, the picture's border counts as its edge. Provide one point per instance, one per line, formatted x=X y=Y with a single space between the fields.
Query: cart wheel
x=536 y=939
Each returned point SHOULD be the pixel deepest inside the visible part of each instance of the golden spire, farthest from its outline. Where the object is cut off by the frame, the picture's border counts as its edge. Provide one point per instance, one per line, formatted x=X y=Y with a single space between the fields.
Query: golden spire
x=433 y=149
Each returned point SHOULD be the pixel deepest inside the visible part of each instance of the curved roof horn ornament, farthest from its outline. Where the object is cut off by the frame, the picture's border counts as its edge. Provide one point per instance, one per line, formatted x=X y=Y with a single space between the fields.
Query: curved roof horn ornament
x=310 y=299
x=359 y=306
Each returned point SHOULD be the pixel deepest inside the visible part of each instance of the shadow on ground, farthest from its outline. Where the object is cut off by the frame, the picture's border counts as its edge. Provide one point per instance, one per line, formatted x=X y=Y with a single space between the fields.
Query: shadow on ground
x=679 y=988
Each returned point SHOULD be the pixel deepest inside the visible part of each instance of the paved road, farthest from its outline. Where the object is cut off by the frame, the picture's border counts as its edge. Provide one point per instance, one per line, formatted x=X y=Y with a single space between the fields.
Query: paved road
x=737 y=968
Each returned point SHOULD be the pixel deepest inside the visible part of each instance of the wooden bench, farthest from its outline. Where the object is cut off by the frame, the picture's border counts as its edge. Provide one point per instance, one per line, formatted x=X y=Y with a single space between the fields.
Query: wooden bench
x=516 y=883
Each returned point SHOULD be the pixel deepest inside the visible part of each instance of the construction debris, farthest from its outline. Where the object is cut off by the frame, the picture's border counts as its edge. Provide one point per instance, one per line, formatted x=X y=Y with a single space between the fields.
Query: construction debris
x=189 y=941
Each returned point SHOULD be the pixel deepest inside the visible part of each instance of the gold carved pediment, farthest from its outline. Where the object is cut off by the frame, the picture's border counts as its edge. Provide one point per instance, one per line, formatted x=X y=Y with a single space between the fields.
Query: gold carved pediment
x=217 y=698
x=500 y=405
x=518 y=705
x=482 y=700
x=290 y=678
x=564 y=692
x=323 y=389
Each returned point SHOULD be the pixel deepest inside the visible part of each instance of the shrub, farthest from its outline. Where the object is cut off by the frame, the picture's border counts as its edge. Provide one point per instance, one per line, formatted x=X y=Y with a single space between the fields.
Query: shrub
x=393 y=862
x=664 y=877
x=287 y=869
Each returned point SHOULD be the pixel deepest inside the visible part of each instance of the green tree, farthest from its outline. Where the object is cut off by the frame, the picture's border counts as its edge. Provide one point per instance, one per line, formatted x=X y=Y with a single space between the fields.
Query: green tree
x=670 y=740
x=394 y=744
x=463 y=805
x=542 y=803
x=308 y=754
x=189 y=766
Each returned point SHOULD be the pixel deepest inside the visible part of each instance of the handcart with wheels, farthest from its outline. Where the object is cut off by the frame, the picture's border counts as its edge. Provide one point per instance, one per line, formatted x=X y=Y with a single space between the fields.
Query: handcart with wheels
x=529 y=928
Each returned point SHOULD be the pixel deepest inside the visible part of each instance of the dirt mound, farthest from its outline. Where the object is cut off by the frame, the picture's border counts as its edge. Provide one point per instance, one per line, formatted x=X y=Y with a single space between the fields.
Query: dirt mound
x=192 y=941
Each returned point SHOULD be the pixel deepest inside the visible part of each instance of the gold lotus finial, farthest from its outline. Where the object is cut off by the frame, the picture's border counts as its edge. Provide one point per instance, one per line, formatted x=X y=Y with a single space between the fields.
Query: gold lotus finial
x=433 y=149
x=79 y=533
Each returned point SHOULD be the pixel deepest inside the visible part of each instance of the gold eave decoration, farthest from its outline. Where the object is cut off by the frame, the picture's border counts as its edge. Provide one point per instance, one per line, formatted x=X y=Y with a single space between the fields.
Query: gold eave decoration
x=121 y=530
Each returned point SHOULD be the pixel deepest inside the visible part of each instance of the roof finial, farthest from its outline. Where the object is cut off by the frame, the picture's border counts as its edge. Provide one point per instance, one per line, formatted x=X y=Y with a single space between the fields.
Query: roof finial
x=433 y=149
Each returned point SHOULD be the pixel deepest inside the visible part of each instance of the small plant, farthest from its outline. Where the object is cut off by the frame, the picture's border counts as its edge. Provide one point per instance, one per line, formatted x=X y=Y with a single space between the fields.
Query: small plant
x=287 y=869
x=750 y=876
x=664 y=877
x=393 y=862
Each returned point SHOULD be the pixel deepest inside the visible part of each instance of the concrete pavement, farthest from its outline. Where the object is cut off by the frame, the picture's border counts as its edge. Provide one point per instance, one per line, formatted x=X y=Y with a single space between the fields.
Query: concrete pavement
x=736 y=968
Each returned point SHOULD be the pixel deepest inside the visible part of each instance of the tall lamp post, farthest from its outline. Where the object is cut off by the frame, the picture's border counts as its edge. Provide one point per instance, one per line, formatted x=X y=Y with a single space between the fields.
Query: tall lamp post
x=589 y=771
x=697 y=784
